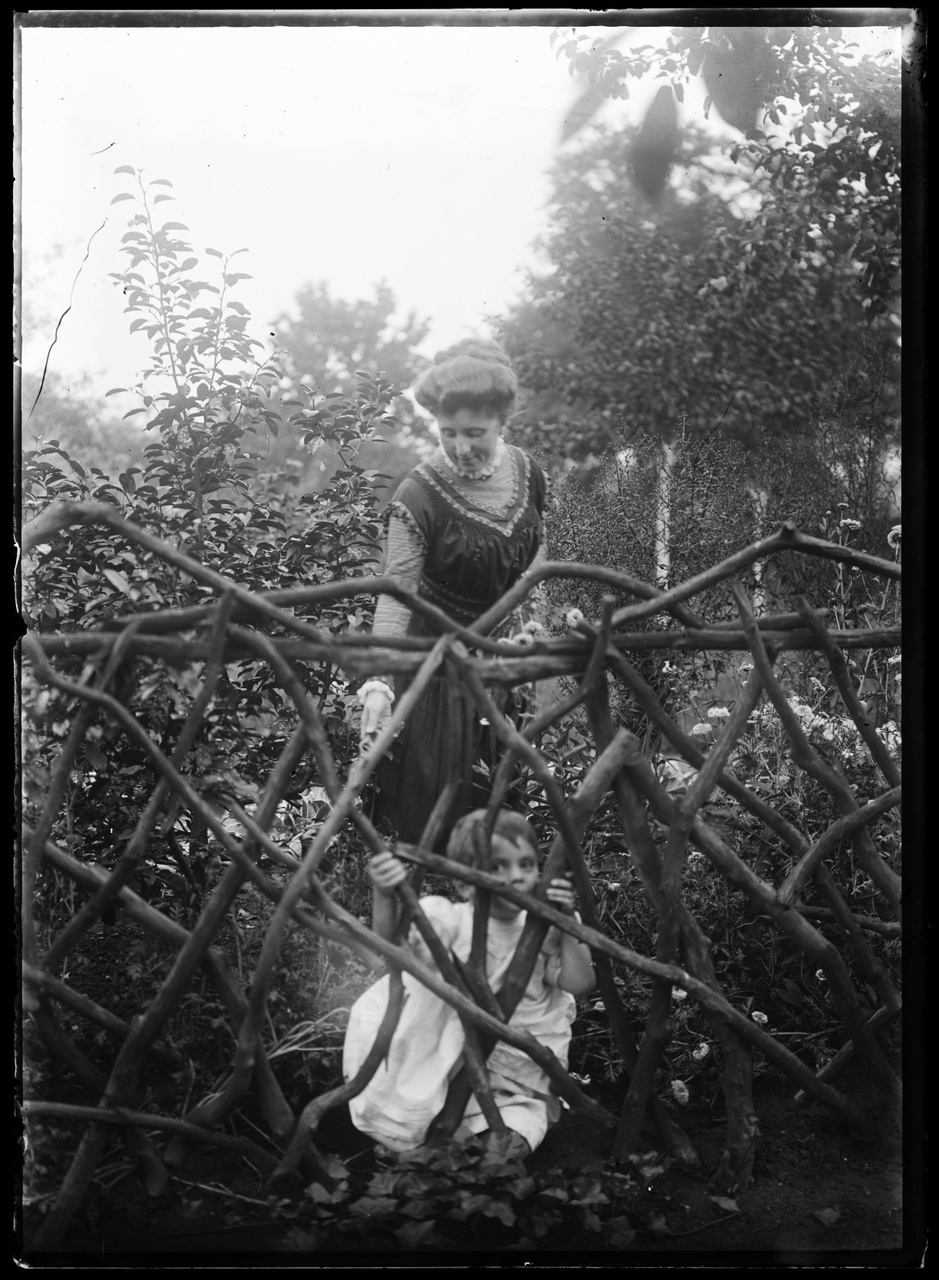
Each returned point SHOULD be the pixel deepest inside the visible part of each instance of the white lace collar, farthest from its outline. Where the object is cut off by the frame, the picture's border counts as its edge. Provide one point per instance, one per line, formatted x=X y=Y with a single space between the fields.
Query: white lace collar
x=486 y=473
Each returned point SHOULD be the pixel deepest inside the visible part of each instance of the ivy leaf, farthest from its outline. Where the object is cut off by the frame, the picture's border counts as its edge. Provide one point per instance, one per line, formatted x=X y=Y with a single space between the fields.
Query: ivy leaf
x=725 y=1202
x=117 y=580
x=97 y=759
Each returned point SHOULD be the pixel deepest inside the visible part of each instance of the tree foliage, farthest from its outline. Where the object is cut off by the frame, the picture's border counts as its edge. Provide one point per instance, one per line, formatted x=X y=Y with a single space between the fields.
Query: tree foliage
x=647 y=318
x=331 y=339
x=821 y=119
x=207 y=401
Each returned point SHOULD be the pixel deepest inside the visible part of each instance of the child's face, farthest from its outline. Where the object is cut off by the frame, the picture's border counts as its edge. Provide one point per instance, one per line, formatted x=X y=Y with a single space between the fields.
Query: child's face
x=515 y=865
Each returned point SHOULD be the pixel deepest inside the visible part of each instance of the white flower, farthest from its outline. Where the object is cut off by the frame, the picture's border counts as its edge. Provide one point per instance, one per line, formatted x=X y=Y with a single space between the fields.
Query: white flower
x=701 y=1052
x=534 y=628
x=680 y=1092
x=572 y=617
x=849 y=524
x=820 y=974
x=718 y=713
x=893 y=537
x=679 y=995
x=745 y=666
x=702 y=728
x=759 y=1018
x=897 y=657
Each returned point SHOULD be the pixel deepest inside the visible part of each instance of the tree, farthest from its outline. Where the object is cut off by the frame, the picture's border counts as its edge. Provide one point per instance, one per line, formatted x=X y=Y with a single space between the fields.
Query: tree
x=54 y=409
x=690 y=310
x=820 y=119
x=206 y=396
x=327 y=345
x=332 y=338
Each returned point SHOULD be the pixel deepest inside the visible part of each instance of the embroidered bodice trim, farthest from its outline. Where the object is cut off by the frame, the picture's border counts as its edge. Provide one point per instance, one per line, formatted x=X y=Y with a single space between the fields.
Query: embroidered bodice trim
x=486 y=473
x=502 y=520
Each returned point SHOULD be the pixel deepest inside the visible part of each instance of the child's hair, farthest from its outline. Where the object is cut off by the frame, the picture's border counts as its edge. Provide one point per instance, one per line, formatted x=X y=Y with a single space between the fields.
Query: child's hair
x=510 y=825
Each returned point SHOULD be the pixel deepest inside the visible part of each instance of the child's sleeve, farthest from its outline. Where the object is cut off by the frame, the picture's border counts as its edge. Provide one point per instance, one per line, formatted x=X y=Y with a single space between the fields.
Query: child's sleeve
x=443 y=918
x=551 y=952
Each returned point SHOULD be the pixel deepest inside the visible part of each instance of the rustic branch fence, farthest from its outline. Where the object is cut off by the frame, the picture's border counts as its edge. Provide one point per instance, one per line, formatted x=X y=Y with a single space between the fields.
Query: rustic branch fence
x=592 y=656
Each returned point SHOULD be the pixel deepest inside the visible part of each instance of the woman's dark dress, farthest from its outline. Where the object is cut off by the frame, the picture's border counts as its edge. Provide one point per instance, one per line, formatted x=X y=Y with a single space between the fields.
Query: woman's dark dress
x=473 y=557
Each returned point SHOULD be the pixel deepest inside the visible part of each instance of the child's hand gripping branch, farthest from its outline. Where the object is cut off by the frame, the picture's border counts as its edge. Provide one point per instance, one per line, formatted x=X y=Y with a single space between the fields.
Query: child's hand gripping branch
x=386 y=872
x=577 y=974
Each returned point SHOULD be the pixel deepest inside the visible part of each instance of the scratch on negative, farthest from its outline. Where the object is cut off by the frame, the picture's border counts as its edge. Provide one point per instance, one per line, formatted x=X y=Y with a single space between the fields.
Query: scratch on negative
x=45 y=367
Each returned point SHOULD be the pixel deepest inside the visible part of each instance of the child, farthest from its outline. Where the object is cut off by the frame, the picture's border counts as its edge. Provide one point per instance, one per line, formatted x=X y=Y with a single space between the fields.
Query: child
x=410 y=1087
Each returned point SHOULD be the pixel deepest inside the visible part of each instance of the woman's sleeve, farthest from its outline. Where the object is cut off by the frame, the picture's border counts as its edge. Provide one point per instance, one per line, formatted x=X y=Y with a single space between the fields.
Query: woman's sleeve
x=404 y=561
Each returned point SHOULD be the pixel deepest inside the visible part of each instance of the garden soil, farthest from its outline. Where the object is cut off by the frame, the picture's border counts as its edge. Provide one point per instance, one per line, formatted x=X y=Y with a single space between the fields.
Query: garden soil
x=817 y=1198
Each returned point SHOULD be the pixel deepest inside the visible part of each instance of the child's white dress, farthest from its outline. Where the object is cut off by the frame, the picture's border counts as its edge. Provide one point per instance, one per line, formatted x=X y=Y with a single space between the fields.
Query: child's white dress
x=410 y=1087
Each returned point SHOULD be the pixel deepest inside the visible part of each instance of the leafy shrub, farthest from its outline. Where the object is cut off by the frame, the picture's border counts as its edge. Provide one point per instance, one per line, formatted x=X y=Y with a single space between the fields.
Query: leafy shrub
x=477 y=1195
x=208 y=397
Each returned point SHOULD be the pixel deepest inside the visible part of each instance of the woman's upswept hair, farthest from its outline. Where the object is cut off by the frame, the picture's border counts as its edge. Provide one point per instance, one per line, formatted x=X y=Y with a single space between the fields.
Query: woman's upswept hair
x=511 y=826
x=474 y=374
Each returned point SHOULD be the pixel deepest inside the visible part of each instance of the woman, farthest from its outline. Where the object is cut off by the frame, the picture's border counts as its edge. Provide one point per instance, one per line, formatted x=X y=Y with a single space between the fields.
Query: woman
x=463 y=527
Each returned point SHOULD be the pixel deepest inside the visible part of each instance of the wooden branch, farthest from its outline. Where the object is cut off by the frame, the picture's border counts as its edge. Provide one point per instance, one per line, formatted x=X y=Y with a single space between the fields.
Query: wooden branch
x=361 y=655
x=251 y=1027
x=55 y=795
x=842 y=678
x=869 y=967
x=836 y=1065
x=61 y=991
x=136 y=847
x=63 y=1047
x=593 y=573
x=788 y=538
x=273 y=1104
x=706 y=996
x=466 y=1007
x=886 y=928
x=733 y=869
x=645 y=858
x=314 y=1111
x=133 y=1050
x=692 y=752
x=146 y=1120
x=808 y=758
x=804 y=869
x=62 y=515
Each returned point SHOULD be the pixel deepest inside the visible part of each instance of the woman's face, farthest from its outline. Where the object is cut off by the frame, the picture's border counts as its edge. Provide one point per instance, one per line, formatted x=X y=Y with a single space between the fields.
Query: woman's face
x=469 y=438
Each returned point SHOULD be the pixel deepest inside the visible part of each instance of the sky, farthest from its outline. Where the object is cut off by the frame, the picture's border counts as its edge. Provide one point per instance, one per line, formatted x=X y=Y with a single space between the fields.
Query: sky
x=419 y=156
